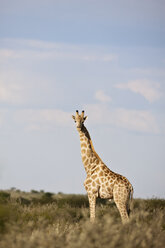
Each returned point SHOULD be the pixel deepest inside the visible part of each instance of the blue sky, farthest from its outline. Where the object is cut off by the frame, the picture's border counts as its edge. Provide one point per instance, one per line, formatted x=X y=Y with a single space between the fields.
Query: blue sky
x=106 y=57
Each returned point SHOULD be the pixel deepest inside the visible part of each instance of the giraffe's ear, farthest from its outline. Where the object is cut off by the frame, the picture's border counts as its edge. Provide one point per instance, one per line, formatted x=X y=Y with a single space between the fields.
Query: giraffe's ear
x=85 y=118
x=73 y=117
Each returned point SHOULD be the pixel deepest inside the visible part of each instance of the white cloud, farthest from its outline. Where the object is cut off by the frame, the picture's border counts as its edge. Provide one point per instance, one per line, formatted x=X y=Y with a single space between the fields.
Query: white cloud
x=1 y=118
x=137 y=120
x=29 y=43
x=149 y=90
x=110 y=57
x=102 y=97
x=3 y=113
x=30 y=54
x=58 y=54
x=9 y=53
x=97 y=57
x=39 y=44
x=42 y=118
x=10 y=92
x=37 y=49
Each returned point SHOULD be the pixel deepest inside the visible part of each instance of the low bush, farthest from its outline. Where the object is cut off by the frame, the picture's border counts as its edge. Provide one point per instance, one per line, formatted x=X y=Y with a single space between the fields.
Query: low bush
x=4 y=196
x=56 y=221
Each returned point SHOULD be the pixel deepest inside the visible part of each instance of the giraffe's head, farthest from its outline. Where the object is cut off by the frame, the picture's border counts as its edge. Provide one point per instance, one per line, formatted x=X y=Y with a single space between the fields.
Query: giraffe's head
x=79 y=119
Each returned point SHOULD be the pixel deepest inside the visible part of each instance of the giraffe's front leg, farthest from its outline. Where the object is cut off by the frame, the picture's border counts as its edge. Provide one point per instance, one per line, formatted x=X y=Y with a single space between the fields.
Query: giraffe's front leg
x=92 y=205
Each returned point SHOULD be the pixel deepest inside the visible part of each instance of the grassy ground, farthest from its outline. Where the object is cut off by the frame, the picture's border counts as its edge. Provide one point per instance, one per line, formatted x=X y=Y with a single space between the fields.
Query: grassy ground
x=38 y=219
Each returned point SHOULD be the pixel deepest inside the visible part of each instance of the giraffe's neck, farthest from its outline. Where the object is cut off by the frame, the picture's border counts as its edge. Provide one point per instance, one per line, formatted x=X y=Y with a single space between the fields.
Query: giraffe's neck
x=88 y=153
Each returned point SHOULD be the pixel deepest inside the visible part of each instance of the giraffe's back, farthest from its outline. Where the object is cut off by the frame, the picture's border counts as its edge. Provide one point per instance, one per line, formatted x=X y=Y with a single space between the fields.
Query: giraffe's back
x=104 y=183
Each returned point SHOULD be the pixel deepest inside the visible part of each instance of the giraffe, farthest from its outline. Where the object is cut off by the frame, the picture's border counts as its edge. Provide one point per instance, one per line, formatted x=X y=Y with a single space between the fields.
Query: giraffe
x=101 y=181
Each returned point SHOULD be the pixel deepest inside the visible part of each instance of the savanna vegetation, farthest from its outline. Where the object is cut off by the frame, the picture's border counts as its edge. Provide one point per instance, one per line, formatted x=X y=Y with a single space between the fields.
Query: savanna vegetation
x=39 y=219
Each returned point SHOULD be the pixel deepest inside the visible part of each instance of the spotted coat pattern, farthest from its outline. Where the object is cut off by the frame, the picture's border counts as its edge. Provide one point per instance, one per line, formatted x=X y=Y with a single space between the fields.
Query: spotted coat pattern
x=101 y=181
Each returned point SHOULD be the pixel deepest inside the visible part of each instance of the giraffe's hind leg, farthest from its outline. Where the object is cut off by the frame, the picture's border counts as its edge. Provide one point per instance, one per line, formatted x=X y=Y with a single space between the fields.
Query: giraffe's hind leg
x=123 y=211
x=92 y=205
x=121 y=200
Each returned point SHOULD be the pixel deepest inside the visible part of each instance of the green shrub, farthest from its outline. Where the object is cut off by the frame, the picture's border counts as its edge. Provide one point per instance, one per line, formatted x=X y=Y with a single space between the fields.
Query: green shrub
x=4 y=196
x=23 y=201
x=4 y=216
x=47 y=198
x=61 y=220
x=34 y=191
x=73 y=201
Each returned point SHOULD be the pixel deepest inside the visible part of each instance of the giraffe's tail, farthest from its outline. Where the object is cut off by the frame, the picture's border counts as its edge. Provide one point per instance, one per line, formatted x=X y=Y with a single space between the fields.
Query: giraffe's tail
x=131 y=200
x=131 y=192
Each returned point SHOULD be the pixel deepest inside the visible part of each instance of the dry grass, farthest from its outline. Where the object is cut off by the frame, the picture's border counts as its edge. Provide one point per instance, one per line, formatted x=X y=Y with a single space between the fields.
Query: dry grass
x=36 y=219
